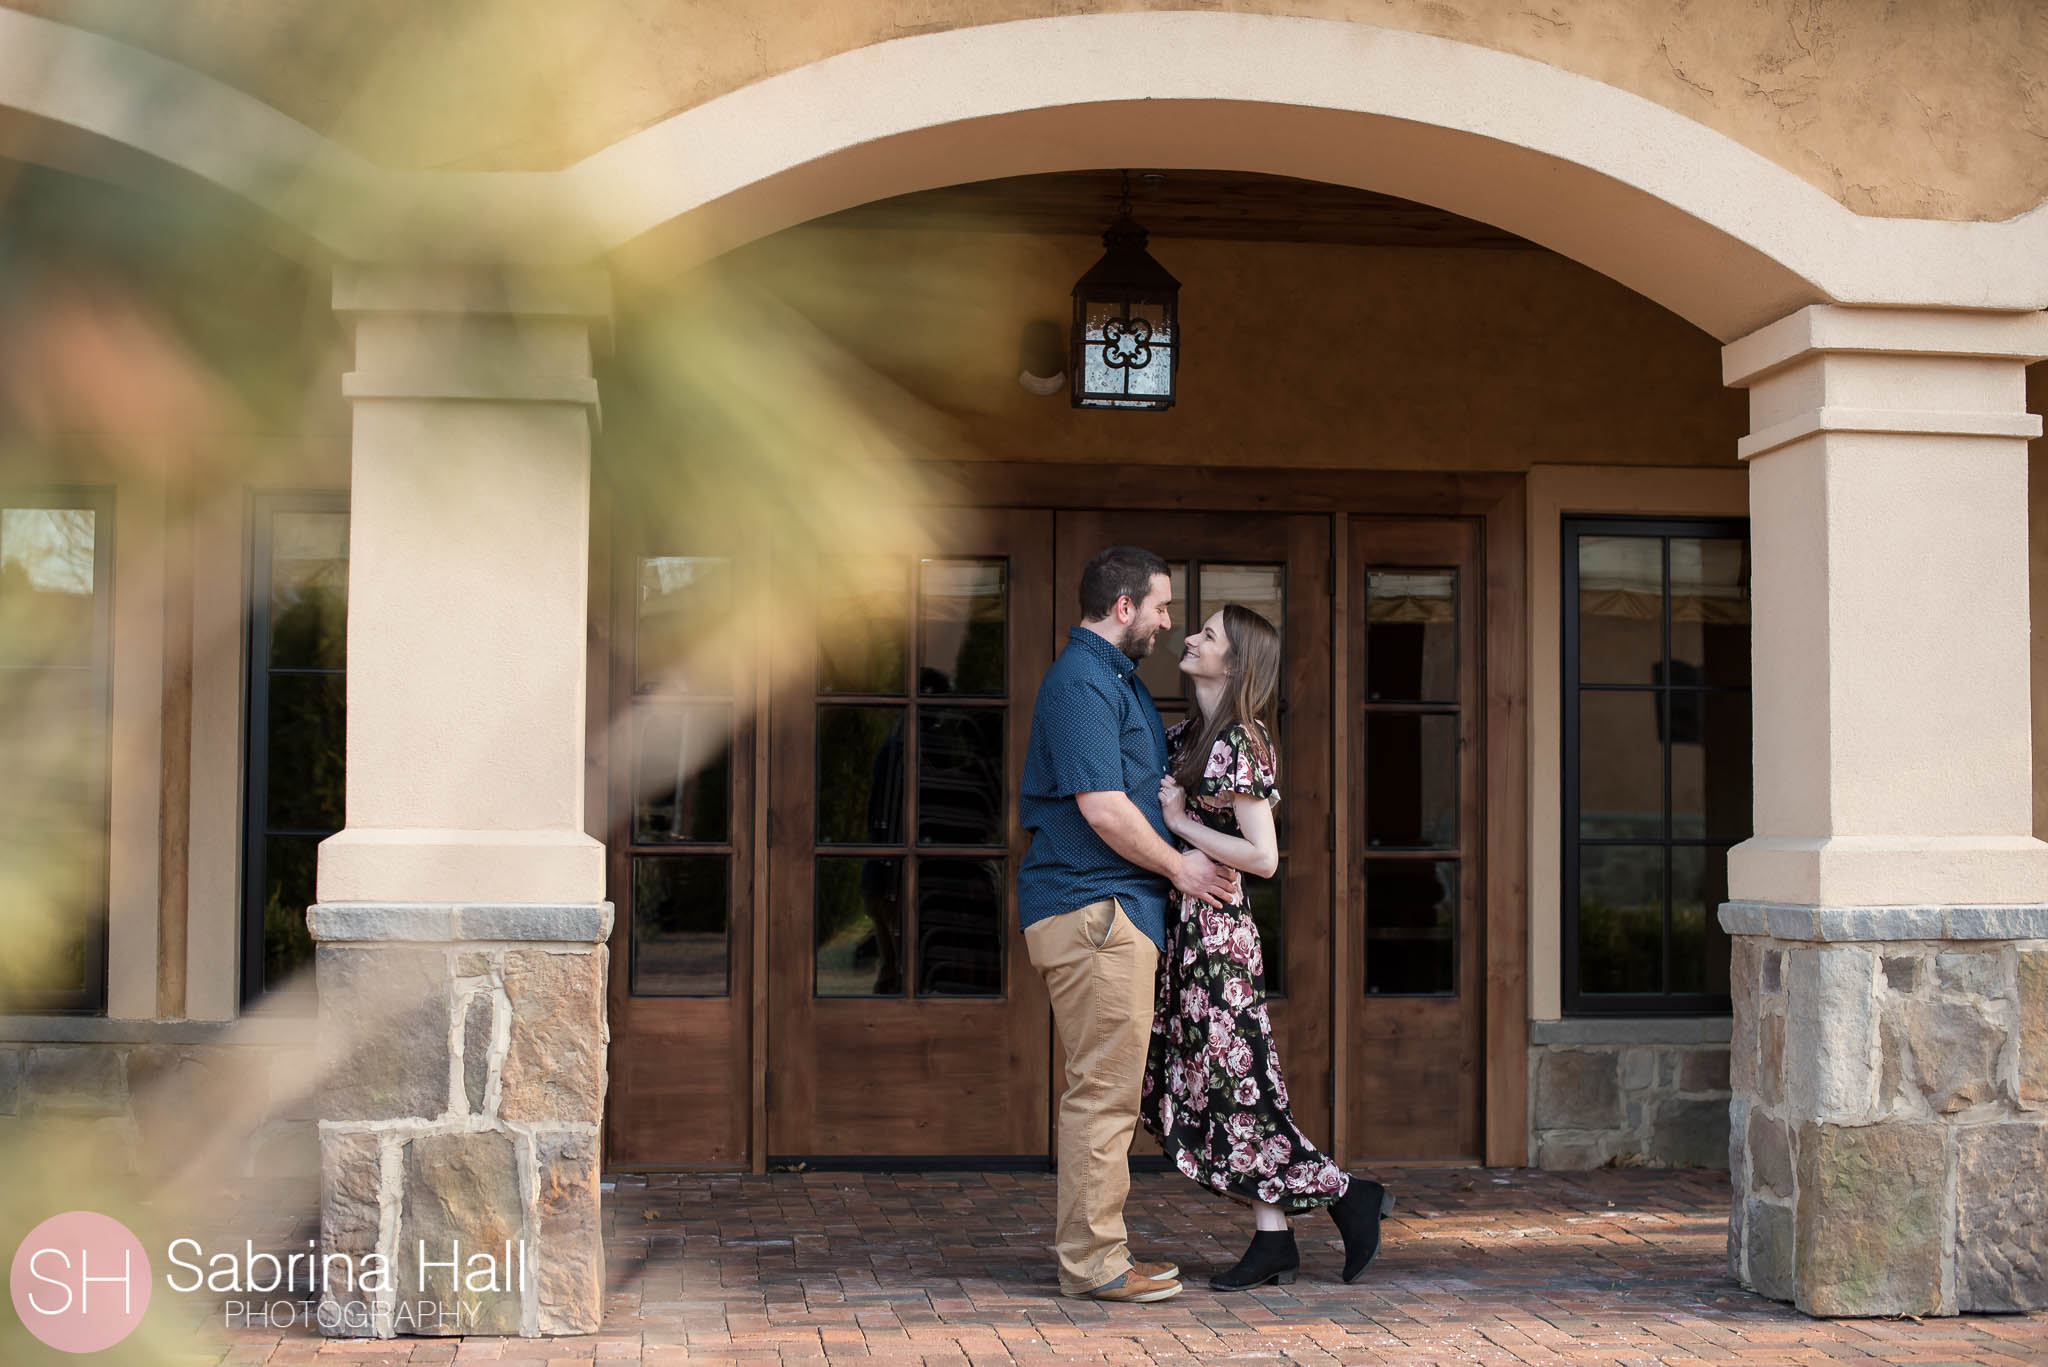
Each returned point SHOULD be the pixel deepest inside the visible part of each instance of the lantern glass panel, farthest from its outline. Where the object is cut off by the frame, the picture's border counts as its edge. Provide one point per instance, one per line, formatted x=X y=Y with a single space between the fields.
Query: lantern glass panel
x=1127 y=349
x=1153 y=379
x=1096 y=375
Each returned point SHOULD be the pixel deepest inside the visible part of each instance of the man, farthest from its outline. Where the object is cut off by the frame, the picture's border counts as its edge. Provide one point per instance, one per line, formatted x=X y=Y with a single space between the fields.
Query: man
x=1092 y=895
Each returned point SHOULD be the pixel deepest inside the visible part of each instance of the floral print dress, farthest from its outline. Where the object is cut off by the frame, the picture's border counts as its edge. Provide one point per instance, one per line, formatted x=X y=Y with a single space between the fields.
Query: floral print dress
x=1214 y=1097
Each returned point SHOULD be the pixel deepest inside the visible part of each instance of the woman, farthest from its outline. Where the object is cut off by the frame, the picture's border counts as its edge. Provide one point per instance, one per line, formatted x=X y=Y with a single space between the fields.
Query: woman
x=1214 y=1097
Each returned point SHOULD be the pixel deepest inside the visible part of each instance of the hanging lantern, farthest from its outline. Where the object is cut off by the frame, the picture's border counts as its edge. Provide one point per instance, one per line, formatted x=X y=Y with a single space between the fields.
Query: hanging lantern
x=1126 y=340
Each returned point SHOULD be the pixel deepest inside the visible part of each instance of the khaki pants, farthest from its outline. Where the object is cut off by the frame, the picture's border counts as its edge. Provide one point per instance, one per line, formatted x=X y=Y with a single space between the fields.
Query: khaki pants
x=1098 y=969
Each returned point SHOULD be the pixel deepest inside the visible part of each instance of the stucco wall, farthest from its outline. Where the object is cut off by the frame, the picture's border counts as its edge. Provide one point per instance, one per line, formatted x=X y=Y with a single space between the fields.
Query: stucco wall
x=1932 y=108
x=1295 y=354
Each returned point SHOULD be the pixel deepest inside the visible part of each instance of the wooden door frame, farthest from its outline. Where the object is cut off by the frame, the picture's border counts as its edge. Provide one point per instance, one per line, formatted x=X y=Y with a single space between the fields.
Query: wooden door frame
x=1499 y=501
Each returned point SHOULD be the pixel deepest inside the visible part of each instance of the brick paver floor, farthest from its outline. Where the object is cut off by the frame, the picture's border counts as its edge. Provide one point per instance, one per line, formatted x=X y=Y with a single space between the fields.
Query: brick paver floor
x=1505 y=1266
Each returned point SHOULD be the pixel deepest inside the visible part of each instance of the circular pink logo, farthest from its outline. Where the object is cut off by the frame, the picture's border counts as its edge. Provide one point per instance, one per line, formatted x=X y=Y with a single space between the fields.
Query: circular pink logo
x=80 y=1281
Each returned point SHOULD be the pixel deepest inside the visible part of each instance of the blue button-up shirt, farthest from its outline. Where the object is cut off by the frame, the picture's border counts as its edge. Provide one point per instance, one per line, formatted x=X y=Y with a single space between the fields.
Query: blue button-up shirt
x=1094 y=729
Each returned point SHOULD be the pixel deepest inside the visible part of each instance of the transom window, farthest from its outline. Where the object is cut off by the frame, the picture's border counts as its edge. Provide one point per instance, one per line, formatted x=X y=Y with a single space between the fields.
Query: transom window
x=1657 y=758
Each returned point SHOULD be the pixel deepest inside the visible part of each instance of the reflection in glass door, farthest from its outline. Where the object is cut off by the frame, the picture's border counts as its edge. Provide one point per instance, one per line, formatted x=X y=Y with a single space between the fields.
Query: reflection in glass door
x=1413 y=734
x=874 y=731
x=905 y=1018
x=680 y=721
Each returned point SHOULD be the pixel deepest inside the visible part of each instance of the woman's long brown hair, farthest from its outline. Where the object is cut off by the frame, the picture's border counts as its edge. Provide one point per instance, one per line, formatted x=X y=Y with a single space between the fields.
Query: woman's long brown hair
x=1249 y=695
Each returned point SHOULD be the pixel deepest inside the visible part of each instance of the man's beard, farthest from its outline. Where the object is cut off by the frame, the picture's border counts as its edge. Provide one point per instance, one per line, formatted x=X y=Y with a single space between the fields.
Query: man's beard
x=1130 y=643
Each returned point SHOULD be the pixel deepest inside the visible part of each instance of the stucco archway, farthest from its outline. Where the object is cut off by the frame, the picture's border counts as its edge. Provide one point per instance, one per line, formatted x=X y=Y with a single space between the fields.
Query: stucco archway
x=1672 y=209
x=1677 y=212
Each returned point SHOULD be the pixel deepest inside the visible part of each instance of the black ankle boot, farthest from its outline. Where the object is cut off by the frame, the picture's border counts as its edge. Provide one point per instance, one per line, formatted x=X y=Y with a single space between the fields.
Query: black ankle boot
x=1358 y=1213
x=1271 y=1258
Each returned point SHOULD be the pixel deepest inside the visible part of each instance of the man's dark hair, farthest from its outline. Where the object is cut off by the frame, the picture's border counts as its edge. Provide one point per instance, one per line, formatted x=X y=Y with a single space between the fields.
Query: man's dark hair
x=1113 y=573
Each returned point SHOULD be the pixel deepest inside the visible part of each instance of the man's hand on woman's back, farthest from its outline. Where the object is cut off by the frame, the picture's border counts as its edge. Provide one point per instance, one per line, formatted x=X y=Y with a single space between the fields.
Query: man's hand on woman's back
x=1205 y=880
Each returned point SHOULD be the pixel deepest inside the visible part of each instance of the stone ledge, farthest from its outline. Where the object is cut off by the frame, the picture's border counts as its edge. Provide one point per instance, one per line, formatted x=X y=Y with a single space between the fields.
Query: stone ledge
x=440 y=922
x=253 y=1031
x=1843 y=924
x=1626 y=1030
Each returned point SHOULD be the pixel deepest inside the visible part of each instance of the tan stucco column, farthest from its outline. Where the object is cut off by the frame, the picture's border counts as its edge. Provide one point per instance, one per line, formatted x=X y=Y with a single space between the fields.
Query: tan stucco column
x=1890 y=973
x=461 y=920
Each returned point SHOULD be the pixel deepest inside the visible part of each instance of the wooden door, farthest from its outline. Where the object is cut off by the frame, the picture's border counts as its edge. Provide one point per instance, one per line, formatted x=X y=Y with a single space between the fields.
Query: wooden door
x=905 y=1018
x=1411 y=995
x=1279 y=566
x=681 y=855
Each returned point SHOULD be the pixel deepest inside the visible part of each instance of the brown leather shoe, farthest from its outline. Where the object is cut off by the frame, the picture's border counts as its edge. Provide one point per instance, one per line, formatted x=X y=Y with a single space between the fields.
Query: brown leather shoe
x=1158 y=1272
x=1133 y=1288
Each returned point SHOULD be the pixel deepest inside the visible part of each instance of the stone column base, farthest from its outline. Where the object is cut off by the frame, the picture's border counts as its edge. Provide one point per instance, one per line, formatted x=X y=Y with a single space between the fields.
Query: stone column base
x=463 y=1057
x=1889 y=1142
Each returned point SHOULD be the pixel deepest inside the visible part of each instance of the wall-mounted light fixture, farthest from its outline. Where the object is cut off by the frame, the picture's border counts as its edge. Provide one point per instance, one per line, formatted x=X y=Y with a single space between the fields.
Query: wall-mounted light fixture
x=1042 y=358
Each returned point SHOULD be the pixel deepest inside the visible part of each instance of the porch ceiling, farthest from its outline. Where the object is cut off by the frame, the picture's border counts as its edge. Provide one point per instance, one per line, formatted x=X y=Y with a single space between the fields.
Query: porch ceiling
x=1230 y=205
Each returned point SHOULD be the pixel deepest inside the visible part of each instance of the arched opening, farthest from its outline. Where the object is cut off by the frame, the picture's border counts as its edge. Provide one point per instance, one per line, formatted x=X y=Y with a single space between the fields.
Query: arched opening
x=1371 y=388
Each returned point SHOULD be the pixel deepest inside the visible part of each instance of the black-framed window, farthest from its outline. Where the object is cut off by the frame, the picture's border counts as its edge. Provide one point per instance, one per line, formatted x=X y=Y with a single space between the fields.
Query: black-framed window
x=298 y=636
x=56 y=647
x=1657 y=782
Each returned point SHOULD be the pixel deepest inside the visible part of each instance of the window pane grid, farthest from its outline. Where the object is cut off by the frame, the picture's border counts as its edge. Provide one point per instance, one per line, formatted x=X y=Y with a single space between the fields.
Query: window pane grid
x=678 y=756
x=908 y=901
x=1411 y=925
x=1641 y=899
x=1411 y=635
x=682 y=614
x=681 y=932
x=1412 y=729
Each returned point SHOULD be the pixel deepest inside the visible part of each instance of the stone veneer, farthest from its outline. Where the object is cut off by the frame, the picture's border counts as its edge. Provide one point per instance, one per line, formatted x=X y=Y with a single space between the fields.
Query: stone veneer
x=464 y=1066
x=1889 y=1152
x=1629 y=1092
x=208 y=1101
